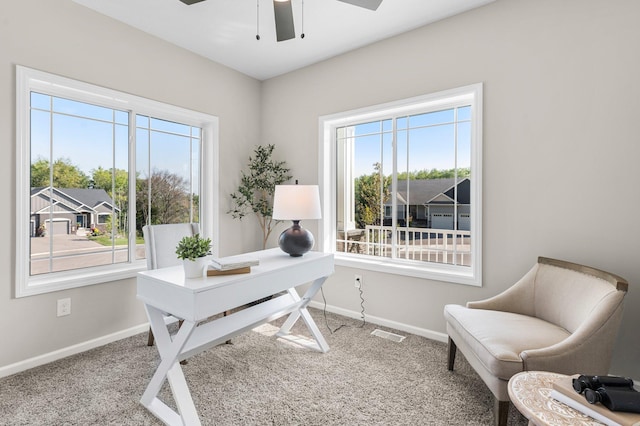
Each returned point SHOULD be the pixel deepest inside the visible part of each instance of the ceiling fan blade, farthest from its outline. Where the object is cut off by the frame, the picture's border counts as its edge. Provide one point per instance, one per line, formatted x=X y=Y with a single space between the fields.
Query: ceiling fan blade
x=367 y=4
x=284 y=20
x=190 y=2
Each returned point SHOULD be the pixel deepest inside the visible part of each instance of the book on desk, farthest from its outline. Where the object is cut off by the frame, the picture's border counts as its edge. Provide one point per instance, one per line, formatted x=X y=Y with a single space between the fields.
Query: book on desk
x=239 y=264
x=563 y=391
x=212 y=272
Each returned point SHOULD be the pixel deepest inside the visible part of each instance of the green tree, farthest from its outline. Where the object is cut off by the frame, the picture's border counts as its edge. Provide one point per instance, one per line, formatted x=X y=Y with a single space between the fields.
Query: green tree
x=65 y=174
x=104 y=179
x=255 y=193
x=435 y=174
x=111 y=225
x=164 y=198
x=116 y=184
x=371 y=192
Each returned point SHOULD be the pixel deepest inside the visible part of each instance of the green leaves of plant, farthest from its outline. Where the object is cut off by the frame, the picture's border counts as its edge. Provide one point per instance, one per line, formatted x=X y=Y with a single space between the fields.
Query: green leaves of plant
x=193 y=247
x=256 y=188
x=255 y=193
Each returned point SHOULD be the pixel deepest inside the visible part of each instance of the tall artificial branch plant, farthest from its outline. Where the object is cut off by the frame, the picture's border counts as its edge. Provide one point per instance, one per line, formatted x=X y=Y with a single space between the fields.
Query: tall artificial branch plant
x=255 y=193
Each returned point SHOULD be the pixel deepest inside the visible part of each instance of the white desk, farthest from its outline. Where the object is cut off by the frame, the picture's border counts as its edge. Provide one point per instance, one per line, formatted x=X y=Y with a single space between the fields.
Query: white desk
x=194 y=300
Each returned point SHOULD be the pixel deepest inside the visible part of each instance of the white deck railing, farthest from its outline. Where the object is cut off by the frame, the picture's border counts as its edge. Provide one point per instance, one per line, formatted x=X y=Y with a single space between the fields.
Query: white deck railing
x=423 y=244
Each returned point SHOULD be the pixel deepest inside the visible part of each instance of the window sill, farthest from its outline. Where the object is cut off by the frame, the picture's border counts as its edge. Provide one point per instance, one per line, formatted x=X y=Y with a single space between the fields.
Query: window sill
x=436 y=272
x=72 y=279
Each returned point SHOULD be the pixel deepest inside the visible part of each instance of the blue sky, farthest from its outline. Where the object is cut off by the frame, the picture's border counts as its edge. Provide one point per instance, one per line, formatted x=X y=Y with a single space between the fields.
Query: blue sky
x=90 y=137
x=425 y=141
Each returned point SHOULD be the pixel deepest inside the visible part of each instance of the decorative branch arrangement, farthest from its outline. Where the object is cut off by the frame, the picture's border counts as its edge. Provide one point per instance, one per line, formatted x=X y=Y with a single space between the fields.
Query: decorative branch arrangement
x=255 y=193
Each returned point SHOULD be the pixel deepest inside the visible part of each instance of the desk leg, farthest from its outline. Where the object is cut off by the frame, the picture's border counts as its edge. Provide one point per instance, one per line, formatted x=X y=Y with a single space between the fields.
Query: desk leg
x=323 y=346
x=169 y=369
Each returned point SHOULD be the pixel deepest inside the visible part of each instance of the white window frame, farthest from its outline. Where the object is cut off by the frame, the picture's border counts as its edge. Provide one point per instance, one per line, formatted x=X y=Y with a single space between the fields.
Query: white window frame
x=327 y=168
x=28 y=80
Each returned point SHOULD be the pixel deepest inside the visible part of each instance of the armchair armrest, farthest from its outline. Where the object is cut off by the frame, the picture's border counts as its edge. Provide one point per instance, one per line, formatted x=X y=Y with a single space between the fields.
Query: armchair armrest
x=571 y=356
x=588 y=350
x=517 y=298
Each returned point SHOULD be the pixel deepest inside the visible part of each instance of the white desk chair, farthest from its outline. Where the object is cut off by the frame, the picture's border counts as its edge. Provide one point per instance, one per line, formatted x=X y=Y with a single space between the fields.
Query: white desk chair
x=160 y=243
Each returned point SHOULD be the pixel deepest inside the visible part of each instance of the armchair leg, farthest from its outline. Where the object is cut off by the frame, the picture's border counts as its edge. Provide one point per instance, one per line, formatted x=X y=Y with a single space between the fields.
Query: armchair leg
x=452 y=354
x=501 y=412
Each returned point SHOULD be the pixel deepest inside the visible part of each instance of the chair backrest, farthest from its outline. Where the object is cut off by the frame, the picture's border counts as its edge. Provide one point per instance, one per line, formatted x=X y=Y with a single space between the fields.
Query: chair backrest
x=160 y=242
x=567 y=294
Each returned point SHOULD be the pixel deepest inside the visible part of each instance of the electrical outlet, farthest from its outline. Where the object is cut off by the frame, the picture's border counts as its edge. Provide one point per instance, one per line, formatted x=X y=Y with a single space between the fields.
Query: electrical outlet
x=64 y=307
x=357 y=280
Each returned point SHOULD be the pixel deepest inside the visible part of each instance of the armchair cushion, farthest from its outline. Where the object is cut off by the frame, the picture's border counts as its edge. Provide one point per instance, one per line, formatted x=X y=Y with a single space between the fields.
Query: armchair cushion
x=498 y=338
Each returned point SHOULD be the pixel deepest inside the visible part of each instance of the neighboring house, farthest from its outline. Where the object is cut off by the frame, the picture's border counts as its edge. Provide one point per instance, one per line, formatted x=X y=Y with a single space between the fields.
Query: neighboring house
x=72 y=208
x=431 y=203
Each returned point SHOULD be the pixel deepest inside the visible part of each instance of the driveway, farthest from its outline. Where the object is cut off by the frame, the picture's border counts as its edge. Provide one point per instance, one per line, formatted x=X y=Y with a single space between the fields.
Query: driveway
x=62 y=243
x=74 y=252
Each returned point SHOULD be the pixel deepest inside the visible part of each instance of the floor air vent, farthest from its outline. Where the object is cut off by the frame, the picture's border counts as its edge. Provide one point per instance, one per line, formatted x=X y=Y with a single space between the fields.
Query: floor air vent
x=386 y=335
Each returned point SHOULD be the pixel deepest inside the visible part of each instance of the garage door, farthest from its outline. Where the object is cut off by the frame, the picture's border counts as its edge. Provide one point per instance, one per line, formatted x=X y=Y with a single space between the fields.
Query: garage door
x=59 y=227
x=464 y=222
x=442 y=221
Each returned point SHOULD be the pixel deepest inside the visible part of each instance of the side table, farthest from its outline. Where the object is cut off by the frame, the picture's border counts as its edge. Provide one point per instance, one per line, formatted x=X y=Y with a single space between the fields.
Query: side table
x=529 y=392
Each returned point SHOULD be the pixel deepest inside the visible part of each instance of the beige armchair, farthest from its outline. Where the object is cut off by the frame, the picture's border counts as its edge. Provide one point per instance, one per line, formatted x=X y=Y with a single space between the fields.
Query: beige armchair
x=560 y=317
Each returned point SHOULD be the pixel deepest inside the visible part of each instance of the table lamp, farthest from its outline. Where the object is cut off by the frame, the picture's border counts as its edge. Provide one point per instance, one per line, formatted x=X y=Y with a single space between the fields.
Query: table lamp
x=295 y=203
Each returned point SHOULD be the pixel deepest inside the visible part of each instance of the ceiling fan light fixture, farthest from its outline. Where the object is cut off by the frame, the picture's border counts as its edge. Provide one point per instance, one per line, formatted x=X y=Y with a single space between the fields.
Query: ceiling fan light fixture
x=283 y=14
x=284 y=20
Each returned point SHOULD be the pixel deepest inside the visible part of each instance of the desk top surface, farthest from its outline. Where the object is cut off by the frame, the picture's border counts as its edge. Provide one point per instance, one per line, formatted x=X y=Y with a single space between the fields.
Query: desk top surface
x=270 y=260
x=167 y=289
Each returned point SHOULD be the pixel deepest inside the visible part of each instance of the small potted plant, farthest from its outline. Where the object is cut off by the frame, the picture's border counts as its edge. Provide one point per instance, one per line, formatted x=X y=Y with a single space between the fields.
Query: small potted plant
x=193 y=251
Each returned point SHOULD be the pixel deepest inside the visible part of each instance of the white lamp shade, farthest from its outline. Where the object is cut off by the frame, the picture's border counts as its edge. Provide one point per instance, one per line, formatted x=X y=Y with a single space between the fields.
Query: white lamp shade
x=296 y=202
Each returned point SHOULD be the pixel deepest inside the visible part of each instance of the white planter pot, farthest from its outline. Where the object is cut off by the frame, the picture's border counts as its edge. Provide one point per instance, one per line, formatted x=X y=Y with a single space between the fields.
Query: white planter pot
x=194 y=268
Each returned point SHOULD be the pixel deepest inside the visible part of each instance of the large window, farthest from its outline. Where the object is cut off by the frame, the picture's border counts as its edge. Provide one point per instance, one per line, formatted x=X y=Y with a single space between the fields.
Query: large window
x=93 y=167
x=401 y=186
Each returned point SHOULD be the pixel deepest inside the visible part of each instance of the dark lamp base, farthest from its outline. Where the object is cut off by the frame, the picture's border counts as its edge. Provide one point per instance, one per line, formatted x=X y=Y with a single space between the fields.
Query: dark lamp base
x=296 y=240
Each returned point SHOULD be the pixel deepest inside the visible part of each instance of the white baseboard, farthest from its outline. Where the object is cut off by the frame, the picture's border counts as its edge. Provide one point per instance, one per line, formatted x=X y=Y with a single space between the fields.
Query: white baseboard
x=429 y=334
x=70 y=350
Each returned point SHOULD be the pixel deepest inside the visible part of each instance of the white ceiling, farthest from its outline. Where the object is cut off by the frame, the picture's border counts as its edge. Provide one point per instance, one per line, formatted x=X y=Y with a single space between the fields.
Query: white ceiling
x=225 y=30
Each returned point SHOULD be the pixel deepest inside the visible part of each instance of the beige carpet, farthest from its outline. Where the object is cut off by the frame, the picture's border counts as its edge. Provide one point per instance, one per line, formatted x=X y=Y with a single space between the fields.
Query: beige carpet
x=260 y=380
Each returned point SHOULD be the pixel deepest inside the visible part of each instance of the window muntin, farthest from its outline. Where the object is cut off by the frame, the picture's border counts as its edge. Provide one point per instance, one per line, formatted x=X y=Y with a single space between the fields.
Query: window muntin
x=83 y=137
x=403 y=186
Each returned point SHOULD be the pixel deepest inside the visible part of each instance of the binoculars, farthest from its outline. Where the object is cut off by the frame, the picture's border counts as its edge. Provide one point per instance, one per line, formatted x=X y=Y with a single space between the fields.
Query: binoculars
x=583 y=383
x=615 y=393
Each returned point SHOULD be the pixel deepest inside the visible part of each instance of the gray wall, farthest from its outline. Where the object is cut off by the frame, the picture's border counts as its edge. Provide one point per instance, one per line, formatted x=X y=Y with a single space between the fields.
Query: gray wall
x=560 y=148
x=561 y=151
x=61 y=37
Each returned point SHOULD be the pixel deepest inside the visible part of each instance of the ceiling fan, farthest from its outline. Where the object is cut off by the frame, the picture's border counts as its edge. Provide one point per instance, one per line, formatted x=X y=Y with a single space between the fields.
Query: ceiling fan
x=284 y=15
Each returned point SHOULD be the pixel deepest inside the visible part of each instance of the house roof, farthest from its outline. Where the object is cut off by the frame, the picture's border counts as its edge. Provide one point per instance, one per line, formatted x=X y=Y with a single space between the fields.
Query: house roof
x=463 y=193
x=433 y=191
x=89 y=197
